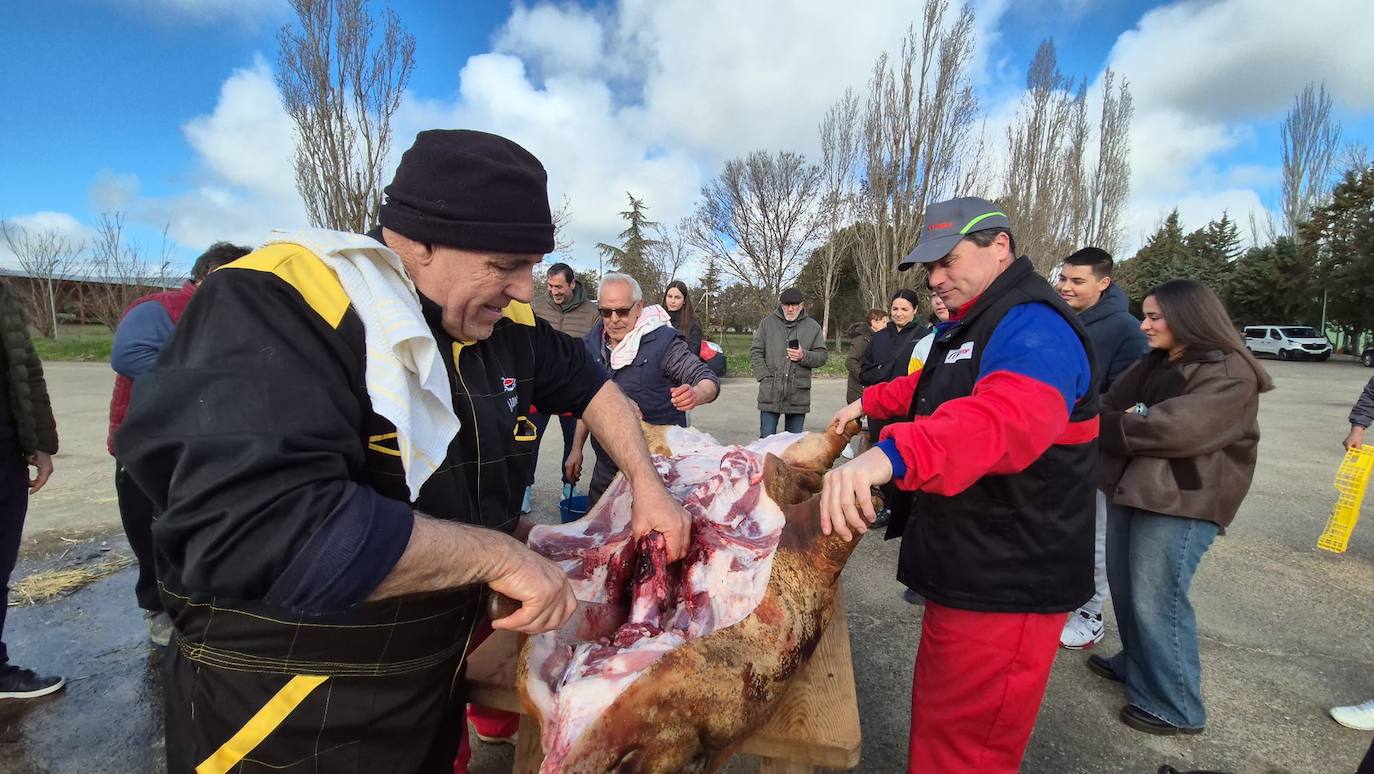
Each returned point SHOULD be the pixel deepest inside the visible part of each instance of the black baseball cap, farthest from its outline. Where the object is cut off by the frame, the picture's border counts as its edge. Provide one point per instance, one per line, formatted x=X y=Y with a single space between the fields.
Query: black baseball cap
x=950 y=221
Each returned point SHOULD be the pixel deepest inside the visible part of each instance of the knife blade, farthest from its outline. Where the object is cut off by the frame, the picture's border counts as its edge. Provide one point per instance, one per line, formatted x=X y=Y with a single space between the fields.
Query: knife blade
x=591 y=621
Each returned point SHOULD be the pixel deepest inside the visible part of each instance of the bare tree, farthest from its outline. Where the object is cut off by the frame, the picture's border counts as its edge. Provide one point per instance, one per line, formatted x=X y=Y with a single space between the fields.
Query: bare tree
x=341 y=88
x=562 y=242
x=48 y=257
x=118 y=271
x=1055 y=202
x=917 y=141
x=758 y=219
x=1310 y=136
x=672 y=251
x=1111 y=182
x=839 y=158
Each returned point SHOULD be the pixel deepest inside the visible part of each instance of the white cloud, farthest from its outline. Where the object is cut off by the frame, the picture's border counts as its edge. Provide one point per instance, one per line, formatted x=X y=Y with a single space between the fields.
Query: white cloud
x=246 y=184
x=112 y=191
x=554 y=40
x=1203 y=74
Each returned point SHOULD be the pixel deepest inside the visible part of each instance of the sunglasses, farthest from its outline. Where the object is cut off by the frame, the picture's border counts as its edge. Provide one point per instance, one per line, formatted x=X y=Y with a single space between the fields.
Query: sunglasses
x=606 y=313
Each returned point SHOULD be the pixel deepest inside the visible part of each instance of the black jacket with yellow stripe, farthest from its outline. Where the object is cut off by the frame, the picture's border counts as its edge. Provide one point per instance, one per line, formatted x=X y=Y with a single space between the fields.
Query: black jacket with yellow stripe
x=275 y=480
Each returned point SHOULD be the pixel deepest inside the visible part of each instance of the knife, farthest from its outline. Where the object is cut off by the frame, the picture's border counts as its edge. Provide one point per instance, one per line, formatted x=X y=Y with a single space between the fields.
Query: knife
x=590 y=622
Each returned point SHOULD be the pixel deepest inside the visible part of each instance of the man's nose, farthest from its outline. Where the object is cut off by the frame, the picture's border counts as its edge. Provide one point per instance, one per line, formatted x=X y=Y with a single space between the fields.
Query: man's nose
x=521 y=286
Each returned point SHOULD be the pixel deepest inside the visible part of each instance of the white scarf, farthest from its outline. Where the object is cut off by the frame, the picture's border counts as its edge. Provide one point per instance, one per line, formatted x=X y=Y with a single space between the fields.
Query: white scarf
x=651 y=318
x=406 y=378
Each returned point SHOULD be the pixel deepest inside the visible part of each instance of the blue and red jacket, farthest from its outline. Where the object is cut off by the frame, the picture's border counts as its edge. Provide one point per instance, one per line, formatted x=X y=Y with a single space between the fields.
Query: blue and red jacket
x=994 y=461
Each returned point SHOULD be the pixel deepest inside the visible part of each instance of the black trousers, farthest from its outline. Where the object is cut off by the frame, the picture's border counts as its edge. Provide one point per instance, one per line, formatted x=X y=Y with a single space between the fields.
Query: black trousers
x=136 y=511
x=376 y=689
x=541 y=422
x=14 y=504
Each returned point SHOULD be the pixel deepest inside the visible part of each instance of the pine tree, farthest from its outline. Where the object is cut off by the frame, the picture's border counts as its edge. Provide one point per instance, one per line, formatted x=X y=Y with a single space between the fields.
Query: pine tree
x=1341 y=232
x=633 y=256
x=1271 y=284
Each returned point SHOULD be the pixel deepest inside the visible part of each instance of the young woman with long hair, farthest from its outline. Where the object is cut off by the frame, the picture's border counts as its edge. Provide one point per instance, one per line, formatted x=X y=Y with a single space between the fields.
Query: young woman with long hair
x=889 y=351
x=678 y=302
x=1179 y=437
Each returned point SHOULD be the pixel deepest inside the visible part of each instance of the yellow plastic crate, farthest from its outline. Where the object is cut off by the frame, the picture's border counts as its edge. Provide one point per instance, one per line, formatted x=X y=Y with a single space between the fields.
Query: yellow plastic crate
x=1352 y=479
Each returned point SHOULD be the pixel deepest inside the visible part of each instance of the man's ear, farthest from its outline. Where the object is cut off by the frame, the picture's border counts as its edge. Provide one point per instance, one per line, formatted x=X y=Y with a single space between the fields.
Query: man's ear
x=1106 y=283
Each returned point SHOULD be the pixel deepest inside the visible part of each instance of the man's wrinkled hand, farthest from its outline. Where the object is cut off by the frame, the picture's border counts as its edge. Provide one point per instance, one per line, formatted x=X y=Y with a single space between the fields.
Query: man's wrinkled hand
x=846 y=499
x=654 y=510
x=795 y=355
x=685 y=397
x=545 y=596
x=851 y=413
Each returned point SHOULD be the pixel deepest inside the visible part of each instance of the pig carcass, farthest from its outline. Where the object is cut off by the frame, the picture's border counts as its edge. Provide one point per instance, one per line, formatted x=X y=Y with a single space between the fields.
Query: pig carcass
x=712 y=642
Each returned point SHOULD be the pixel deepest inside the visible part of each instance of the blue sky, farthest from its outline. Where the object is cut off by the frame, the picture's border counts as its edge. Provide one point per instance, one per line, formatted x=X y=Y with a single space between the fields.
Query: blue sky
x=163 y=108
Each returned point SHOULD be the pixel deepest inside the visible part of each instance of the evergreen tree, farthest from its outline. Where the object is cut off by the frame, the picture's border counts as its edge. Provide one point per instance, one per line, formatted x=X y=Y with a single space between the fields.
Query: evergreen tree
x=634 y=254
x=1271 y=284
x=1164 y=256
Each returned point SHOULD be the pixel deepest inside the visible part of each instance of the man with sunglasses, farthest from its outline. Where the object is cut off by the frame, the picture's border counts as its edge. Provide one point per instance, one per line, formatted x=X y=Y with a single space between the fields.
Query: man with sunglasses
x=649 y=360
x=993 y=453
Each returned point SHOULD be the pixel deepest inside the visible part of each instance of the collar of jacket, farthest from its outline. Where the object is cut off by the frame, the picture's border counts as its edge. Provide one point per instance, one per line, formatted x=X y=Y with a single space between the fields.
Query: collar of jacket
x=578 y=296
x=1113 y=300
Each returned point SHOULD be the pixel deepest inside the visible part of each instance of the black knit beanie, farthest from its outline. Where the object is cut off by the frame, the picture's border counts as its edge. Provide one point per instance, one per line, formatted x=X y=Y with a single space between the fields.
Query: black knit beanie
x=470 y=190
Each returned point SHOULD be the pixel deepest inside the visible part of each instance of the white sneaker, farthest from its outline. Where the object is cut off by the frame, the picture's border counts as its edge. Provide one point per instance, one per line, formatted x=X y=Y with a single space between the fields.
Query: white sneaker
x=1359 y=717
x=1083 y=630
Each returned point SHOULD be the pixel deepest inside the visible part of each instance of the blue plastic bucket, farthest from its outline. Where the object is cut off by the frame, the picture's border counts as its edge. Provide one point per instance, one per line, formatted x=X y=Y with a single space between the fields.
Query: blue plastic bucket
x=572 y=508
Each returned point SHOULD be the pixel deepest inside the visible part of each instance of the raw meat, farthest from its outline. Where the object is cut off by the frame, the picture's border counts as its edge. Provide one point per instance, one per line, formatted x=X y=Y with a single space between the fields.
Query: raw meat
x=712 y=642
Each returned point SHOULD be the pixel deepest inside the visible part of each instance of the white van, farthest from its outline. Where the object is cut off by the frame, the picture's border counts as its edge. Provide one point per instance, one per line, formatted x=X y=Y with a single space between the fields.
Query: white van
x=1287 y=342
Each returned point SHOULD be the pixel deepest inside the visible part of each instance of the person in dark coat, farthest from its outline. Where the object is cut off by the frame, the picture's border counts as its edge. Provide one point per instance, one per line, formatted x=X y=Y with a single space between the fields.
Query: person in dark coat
x=1085 y=284
x=889 y=353
x=28 y=439
x=678 y=302
x=785 y=348
x=860 y=334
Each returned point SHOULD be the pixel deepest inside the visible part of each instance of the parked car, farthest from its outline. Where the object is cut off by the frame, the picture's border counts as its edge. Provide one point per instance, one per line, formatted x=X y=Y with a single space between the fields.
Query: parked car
x=1287 y=342
x=1367 y=357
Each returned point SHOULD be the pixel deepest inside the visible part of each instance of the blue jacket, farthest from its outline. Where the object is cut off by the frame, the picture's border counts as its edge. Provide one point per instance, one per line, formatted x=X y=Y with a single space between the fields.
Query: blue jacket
x=663 y=362
x=1116 y=336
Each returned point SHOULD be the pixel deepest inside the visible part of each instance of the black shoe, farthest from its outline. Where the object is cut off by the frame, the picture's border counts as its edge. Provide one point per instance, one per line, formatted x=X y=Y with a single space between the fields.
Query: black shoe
x=884 y=516
x=1167 y=769
x=16 y=683
x=1141 y=720
x=1102 y=667
x=913 y=598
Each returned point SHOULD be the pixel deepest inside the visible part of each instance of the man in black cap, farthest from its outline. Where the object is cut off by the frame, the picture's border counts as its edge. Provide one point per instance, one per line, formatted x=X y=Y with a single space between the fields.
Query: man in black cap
x=992 y=453
x=337 y=439
x=787 y=344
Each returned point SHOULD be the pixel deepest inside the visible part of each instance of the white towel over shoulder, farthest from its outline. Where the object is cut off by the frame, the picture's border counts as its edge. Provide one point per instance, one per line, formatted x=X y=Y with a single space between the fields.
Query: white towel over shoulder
x=406 y=378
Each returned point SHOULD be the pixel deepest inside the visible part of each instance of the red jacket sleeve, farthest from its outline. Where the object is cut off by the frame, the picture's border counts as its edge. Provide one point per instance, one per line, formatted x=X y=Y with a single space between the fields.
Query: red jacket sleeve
x=886 y=400
x=1004 y=426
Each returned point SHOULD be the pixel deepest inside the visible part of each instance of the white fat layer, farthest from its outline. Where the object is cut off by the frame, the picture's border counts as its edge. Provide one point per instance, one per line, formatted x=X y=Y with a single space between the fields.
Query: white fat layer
x=710 y=480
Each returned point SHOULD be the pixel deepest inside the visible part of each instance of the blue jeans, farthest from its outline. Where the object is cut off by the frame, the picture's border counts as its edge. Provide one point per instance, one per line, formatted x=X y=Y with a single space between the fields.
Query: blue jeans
x=768 y=423
x=1151 y=559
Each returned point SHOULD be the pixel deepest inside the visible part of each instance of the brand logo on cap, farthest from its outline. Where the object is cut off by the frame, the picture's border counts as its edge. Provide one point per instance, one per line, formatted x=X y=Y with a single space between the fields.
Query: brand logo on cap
x=508 y=383
x=938 y=226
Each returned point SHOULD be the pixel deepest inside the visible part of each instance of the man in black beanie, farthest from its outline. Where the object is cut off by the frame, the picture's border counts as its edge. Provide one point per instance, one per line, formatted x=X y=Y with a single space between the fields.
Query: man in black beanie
x=324 y=592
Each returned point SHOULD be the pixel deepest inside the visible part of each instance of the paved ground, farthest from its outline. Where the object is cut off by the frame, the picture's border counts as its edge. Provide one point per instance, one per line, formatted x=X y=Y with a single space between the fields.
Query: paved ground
x=1285 y=628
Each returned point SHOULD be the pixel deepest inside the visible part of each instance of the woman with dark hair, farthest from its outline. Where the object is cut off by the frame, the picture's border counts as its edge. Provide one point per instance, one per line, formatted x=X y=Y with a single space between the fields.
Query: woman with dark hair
x=889 y=352
x=679 y=305
x=1179 y=436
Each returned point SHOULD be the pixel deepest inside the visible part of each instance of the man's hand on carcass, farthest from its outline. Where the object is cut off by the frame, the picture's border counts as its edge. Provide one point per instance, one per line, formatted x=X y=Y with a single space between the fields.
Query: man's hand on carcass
x=545 y=596
x=846 y=500
x=653 y=509
x=844 y=416
x=685 y=397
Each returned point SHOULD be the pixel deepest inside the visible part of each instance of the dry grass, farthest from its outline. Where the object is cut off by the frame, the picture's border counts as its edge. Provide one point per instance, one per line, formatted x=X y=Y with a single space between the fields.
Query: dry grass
x=47 y=585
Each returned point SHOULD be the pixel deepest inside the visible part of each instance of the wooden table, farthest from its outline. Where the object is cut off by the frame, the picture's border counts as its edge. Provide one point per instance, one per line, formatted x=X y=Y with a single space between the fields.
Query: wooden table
x=815 y=726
